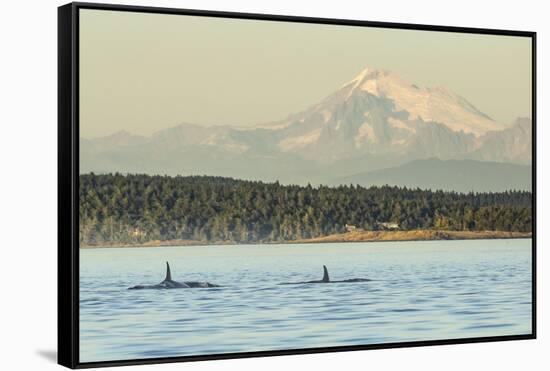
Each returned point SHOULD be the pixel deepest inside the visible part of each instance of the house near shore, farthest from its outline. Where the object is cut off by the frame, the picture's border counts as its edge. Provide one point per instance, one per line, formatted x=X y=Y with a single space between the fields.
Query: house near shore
x=388 y=226
x=350 y=228
x=138 y=233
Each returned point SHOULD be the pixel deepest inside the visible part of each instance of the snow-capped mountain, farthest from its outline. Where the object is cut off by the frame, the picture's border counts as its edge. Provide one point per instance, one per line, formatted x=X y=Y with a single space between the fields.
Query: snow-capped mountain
x=377 y=120
x=380 y=113
x=513 y=144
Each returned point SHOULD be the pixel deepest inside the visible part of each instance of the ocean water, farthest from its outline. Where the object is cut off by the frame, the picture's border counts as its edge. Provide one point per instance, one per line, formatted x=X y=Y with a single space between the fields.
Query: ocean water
x=422 y=290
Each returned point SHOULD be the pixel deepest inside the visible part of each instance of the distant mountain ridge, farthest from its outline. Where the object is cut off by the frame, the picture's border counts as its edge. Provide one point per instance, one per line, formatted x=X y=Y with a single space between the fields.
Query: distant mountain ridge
x=513 y=144
x=375 y=121
x=450 y=175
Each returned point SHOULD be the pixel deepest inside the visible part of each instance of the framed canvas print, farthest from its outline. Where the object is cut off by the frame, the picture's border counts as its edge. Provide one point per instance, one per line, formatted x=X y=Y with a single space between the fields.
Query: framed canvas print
x=238 y=185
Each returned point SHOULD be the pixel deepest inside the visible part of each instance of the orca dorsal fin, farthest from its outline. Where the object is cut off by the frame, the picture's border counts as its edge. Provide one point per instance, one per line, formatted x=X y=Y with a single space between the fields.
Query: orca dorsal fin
x=325 y=274
x=168 y=274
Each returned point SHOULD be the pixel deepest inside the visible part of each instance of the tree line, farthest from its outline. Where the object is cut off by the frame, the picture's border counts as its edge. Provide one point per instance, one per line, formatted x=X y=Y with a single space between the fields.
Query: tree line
x=126 y=209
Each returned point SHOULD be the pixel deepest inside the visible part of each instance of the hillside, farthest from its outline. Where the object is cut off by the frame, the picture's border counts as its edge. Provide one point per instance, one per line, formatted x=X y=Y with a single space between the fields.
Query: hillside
x=457 y=175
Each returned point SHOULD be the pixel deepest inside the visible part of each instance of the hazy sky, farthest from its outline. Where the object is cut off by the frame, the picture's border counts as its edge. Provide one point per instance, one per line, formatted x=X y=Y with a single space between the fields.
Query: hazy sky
x=145 y=72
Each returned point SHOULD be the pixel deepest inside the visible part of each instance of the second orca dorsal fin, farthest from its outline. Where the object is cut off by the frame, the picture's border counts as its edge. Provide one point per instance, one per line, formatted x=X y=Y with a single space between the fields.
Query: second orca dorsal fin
x=325 y=274
x=168 y=274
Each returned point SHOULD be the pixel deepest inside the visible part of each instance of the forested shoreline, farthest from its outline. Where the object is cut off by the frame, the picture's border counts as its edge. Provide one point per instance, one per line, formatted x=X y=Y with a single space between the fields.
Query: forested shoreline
x=118 y=209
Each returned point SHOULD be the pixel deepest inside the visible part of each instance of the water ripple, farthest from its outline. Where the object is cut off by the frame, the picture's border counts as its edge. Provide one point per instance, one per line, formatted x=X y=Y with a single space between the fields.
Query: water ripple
x=420 y=291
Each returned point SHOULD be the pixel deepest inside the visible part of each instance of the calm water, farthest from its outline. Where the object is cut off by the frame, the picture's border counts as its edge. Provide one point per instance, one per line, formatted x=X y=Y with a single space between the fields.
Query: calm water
x=420 y=291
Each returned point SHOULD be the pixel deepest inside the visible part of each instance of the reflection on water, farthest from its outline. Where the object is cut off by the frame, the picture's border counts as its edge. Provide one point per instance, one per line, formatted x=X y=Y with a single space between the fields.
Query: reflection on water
x=419 y=291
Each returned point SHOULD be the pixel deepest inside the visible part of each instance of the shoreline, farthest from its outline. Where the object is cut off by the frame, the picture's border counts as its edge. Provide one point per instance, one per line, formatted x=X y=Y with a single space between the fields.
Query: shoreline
x=355 y=236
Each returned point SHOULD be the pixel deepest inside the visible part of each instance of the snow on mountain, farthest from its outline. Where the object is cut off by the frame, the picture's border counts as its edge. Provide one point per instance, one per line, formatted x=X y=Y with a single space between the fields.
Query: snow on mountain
x=429 y=104
x=377 y=120
x=185 y=135
x=378 y=112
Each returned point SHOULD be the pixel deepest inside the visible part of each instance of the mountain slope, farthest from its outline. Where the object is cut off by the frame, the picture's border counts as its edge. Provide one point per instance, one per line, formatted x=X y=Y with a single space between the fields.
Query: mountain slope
x=456 y=175
x=377 y=113
x=513 y=144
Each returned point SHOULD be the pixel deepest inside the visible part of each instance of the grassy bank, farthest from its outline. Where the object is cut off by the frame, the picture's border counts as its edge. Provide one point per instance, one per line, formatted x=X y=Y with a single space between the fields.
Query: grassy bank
x=355 y=236
x=416 y=235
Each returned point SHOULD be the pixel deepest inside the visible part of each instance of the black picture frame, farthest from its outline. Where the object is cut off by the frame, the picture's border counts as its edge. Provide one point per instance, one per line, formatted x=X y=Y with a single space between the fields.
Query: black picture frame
x=68 y=170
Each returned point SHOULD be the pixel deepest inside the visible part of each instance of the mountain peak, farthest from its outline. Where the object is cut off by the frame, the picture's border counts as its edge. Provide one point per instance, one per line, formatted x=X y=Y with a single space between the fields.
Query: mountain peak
x=377 y=82
x=121 y=134
x=429 y=104
x=368 y=73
